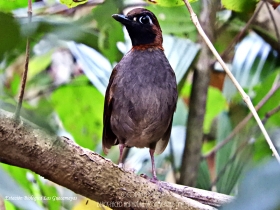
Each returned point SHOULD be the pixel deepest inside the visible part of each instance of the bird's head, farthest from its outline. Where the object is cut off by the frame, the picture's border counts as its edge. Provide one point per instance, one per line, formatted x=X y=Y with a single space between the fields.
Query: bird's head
x=142 y=26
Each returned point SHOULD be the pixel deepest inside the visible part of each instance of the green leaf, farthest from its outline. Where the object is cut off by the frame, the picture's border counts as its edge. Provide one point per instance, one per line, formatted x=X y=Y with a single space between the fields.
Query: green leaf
x=39 y=63
x=48 y=191
x=203 y=176
x=9 y=205
x=80 y=107
x=110 y=30
x=261 y=90
x=9 y=5
x=73 y=3
x=240 y=5
x=18 y=174
x=233 y=157
x=216 y=103
x=168 y=3
x=176 y=20
x=261 y=150
x=214 y=97
x=14 y=183
x=14 y=85
x=62 y=28
x=10 y=33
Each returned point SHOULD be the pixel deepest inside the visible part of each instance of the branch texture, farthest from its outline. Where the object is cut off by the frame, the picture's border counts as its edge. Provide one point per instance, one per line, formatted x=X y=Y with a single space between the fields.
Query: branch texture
x=87 y=173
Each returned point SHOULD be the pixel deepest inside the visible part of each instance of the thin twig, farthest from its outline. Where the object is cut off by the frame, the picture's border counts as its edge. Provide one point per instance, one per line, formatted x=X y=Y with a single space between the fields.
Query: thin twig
x=245 y=97
x=24 y=75
x=270 y=113
x=241 y=33
x=241 y=125
x=203 y=196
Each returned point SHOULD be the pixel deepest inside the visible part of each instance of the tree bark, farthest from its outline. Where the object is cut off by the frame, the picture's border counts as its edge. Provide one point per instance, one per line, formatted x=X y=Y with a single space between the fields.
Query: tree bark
x=192 y=151
x=89 y=174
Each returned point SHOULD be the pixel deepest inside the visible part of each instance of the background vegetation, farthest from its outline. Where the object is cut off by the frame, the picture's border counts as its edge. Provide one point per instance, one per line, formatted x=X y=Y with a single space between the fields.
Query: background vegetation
x=73 y=53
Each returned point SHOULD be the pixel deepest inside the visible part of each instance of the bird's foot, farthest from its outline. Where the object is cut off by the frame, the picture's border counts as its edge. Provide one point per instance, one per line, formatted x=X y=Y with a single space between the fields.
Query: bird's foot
x=154 y=180
x=121 y=165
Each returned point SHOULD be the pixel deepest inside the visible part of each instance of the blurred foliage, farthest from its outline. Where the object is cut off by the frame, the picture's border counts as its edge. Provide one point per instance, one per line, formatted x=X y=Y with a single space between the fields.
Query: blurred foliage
x=71 y=3
x=245 y=6
x=75 y=108
x=212 y=111
x=108 y=26
x=261 y=90
x=10 y=36
x=9 y=5
x=83 y=114
x=173 y=20
x=259 y=189
x=168 y=3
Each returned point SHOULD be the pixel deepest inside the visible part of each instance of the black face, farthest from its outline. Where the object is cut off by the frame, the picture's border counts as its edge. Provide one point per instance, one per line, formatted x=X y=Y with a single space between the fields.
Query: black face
x=142 y=26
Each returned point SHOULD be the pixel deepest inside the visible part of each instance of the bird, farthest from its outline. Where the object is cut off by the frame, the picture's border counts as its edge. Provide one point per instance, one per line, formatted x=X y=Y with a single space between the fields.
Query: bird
x=141 y=96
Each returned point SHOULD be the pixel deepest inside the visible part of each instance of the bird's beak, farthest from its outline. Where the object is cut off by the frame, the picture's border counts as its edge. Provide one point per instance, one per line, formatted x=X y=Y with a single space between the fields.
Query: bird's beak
x=122 y=19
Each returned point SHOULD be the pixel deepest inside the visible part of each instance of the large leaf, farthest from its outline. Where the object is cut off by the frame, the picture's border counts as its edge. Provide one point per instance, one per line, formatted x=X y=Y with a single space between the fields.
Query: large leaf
x=49 y=192
x=181 y=54
x=203 y=176
x=214 y=97
x=261 y=90
x=168 y=3
x=232 y=158
x=63 y=28
x=240 y=5
x=80 y=107
x=272 y=123
x=253 y=61
x=10 y=33
x=39 y=63
x=110 y=30
x=95 y=66
x=176 y=21
x=12 y=5
x=73 y=3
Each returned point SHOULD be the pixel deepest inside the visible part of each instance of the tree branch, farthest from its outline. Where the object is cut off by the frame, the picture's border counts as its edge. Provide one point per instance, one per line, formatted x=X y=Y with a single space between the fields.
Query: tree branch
x=89 y=174
x=197 y=107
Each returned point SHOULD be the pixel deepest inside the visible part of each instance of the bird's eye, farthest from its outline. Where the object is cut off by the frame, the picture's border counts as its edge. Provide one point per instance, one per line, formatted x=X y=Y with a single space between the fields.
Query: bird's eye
x=145 y=19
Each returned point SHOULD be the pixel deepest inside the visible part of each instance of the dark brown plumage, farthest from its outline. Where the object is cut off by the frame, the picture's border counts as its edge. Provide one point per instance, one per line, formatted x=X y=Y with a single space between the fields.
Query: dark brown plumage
x=141 y=96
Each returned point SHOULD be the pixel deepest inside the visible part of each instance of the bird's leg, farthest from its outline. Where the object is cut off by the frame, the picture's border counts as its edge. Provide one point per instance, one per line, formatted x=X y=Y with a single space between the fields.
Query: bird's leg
x=154 y=179
x=121 y=147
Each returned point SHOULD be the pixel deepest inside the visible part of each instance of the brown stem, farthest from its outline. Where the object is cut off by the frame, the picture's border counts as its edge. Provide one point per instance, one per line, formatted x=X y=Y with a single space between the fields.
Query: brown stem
x=270 y=113
x=24 y=75
x=201 y=78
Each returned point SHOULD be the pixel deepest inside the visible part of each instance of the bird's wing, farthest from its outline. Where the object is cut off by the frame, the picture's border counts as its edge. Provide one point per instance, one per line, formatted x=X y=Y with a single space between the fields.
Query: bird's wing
x=108 y=137
x=162 y=143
